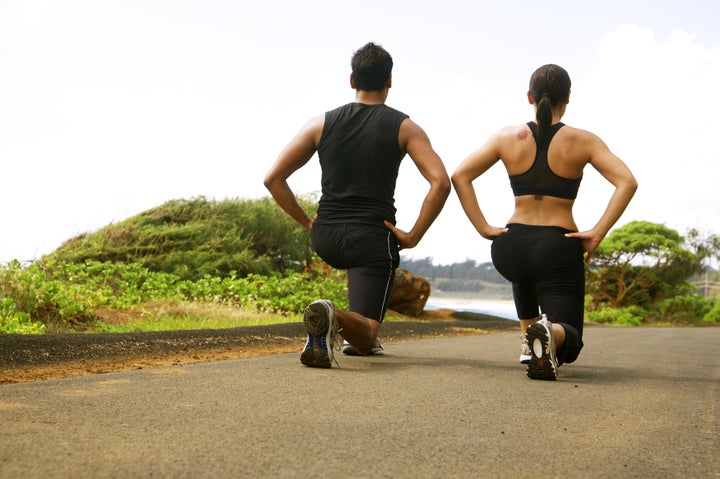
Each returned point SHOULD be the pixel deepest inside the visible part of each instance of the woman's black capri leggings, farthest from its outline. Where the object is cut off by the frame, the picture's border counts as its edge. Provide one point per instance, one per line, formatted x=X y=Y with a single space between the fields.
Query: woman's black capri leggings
x=547 y=271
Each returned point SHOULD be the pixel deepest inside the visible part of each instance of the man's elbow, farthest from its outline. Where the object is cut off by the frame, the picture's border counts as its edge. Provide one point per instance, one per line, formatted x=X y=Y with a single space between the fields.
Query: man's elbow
x=631 y=185
x=634 y=185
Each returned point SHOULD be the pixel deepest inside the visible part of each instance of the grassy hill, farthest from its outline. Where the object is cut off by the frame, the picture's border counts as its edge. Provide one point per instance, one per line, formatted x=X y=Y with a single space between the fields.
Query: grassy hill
x=198 y=237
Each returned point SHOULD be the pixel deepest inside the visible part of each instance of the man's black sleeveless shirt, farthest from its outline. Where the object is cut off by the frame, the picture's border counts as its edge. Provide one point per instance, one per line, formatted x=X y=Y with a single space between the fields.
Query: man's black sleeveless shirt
x=360 y=158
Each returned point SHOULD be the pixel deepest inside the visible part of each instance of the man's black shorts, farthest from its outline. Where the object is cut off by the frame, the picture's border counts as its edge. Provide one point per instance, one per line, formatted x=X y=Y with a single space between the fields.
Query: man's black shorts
x=370 y=255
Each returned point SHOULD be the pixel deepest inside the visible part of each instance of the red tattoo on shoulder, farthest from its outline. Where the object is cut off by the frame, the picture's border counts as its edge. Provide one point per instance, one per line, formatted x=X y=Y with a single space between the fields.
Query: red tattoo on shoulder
x=522 y=134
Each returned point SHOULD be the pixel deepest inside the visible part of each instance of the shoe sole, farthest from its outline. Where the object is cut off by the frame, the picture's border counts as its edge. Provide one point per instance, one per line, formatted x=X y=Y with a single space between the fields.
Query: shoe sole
x=319 y=320
x=316 y=318
x=309 y=357
x=351 y=351
x=542 y=364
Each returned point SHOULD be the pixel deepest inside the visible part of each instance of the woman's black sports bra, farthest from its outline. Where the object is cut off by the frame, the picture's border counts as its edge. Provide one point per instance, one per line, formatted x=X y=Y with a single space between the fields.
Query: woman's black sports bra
x=540 y=179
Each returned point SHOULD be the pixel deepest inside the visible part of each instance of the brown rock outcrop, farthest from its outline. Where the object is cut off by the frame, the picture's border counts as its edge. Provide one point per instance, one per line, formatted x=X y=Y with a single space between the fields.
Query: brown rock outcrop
x=409 y=293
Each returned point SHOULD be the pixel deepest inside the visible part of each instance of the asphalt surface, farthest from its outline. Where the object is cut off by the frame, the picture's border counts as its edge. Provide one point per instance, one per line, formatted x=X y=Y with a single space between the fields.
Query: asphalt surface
x=640 y=402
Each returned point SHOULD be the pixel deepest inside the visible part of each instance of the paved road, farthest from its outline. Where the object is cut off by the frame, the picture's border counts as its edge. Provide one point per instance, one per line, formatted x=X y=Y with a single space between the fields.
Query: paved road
x=640 y=402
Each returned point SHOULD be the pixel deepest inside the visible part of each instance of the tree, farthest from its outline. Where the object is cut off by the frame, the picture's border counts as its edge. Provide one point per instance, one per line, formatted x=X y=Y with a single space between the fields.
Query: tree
x=641 y=263
x=705 y=245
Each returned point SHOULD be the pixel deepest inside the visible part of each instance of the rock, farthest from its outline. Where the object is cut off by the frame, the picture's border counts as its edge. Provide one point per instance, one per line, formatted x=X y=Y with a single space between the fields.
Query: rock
x=409 y=293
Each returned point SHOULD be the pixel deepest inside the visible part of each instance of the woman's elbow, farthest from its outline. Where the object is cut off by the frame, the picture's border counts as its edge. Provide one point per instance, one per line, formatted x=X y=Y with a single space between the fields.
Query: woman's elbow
x=459 y=180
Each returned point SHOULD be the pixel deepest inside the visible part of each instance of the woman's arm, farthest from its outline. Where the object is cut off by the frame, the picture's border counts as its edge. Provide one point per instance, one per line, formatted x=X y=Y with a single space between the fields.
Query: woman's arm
x=619 y=175
x=472 y=167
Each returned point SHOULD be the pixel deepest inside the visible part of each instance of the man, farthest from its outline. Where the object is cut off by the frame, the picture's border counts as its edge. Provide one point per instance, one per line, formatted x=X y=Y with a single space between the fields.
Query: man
x=360 y=146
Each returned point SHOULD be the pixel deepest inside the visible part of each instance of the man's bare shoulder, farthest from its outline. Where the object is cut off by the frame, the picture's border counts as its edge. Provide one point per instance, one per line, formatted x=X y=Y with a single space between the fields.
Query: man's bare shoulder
x=315 y=122
x=312 y=129
x=411 y=132
x=408 y=124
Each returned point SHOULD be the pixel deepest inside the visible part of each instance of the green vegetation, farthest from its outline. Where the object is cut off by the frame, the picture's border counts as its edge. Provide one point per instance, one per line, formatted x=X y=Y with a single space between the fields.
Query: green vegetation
x=13 y=322
x=197 y=263
x=66 y=296
x=199 y=237
x=643 y=273
x=185 y=264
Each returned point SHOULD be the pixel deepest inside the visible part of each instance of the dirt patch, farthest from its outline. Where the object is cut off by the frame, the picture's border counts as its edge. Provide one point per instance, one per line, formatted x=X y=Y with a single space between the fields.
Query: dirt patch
x=25 y=358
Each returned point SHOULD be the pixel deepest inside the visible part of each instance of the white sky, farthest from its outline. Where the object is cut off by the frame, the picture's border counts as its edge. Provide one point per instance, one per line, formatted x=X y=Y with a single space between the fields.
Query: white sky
x=109 y=108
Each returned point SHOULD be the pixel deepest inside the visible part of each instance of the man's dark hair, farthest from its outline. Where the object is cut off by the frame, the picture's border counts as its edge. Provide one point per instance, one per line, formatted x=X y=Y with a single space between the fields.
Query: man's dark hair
x=371 y=67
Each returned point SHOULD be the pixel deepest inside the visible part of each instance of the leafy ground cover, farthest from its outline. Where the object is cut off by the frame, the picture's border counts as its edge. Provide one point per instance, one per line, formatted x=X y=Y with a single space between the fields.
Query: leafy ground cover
x=61 y=296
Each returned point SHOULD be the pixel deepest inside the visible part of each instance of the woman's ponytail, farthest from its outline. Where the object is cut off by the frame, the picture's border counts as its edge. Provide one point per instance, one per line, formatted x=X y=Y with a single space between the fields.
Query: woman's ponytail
x=549 y=85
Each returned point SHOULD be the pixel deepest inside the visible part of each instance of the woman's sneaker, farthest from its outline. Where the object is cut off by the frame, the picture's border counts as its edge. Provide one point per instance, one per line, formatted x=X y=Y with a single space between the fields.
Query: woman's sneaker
x=525 y=354
x=350 y=350
x=543 y=364
x=322 y=327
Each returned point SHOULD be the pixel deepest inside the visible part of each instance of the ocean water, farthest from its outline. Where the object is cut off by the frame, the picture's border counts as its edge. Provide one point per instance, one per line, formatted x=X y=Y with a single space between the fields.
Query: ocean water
x=502 y=309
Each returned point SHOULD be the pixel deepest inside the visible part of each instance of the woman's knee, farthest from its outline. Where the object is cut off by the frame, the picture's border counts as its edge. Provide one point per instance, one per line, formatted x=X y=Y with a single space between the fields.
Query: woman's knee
x=571 y=347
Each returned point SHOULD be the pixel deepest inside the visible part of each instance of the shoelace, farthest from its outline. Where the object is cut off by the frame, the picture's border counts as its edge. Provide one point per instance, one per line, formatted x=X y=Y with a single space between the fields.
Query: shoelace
x=336 y=346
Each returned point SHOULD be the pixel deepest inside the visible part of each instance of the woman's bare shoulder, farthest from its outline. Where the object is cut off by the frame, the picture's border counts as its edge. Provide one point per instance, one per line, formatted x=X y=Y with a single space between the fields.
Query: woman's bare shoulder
x=578 y=133
x=514 y=133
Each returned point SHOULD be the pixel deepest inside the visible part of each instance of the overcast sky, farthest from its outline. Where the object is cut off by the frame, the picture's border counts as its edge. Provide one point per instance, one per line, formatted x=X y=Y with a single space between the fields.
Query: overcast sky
x=109 y=108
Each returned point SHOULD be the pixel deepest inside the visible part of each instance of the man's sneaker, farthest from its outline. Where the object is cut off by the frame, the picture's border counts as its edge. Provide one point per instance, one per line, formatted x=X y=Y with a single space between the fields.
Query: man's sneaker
x=543 y=364
x=315 y=353
x=525 y=354
x=322 y=327
x=350 y=350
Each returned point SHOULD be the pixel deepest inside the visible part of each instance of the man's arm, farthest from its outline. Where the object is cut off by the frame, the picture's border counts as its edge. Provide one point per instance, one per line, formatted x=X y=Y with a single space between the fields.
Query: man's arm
x=416 y=143
x=295 y=155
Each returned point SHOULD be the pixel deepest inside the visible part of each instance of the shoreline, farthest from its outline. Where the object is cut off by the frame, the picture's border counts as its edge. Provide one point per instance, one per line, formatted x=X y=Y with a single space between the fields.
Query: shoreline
x=468 y=299
x=502 y=308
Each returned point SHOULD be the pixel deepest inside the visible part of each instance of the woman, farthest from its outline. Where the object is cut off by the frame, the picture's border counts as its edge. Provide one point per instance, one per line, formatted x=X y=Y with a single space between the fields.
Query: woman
x=540 y=251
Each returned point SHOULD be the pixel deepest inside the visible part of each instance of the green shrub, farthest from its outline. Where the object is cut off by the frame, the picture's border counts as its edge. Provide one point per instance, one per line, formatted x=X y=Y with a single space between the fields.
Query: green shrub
x=713 y=316
x=66 y=294
x=630 y=316
x=688 y=306
x=274 y=293
x=12 y=322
